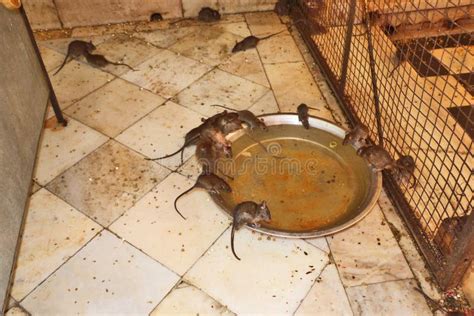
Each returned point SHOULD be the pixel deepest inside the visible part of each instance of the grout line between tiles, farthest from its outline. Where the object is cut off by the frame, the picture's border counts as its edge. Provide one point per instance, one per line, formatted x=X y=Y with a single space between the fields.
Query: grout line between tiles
x=306 y=240
x=311 y=287
x=380 y=282
x=265 y=70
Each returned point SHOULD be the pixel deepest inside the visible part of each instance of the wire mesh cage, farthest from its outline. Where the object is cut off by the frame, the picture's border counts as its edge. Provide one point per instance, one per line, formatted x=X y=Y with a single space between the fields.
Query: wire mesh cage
x=405 y=69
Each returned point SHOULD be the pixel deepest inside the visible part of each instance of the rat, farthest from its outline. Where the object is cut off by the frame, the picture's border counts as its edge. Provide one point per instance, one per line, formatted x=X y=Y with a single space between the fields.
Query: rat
x=406 y=168
x=100 y=61
x=76 y=49
x=206 y=14
x=224 y=121
x=246 y=117
x=209 y=182
x=248 y=213
x=250 y=42
x=357 y=137
x=155 y=17
x=208 y=155
x=303 y=115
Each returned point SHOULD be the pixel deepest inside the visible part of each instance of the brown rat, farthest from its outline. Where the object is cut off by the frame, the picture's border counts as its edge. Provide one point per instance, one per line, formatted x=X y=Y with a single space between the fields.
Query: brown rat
x=206 y=14
x=303 y=115
x=378 y=157
x=357 y=137
x=248 y=213
x=246 y=117
x=249 y=42
x=406 y=169
x=100 y=61
x=76 y=49
x=209 y=182
x=208 y=156
x=155 y=17
x=224 y=121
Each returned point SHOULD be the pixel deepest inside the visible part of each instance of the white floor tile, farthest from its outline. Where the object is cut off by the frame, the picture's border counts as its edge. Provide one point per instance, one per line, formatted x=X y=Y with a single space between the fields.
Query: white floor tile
x=272 y=277
x=219 y=87
x=162 y=132
x=107 y=276
x=114 y=107
x=246 y=65
x=53 y=232
x=154 y=226
x=108 y=182
x=388 y=298
x=167 y=73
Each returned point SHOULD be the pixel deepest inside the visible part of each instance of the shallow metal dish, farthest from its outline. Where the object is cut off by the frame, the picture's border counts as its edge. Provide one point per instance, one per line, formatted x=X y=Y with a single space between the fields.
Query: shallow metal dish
x=314 y=186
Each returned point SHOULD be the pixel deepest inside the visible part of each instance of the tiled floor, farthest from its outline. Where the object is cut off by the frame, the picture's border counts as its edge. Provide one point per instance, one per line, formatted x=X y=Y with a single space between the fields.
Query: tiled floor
x=101 y=235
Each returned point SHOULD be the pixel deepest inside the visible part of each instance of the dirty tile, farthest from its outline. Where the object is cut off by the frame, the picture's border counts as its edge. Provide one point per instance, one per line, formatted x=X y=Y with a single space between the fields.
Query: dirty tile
x=326 y=297
x=11 y=302
x=53 y=232
x=457 y=59
x=388 y=298
x=42 y=14
x=246 y=65
x=368 y=253
x=17 y=311
x=219 y=87
x=264 y=23
x=266 y=104
x=211 y=45
x=162 y=132
x=320 y=243
x=415 y=261
x=107 y=182
x=61 y=147
x=60 y=45
x=125 y=49
x=154 y=218
x=276 y=269
x=51 y=58
x=232 y=6
x=186 y=299
x=114 y=107
x=292 y=85
x=166 y=37
x=76 y=80
x=191 y=8
x=238 y=28
x=280 y=48
x=108 y=276
x=167 y=73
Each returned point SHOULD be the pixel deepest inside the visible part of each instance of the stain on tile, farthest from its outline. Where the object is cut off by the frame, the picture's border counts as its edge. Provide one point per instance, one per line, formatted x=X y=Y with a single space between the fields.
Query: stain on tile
x=186 y=299
x=166 y=37
x=53 y=232
x=162 y=132
x=107 y=276
x=388 y=298
x=60 y=149
x=219 y=87
x=154 y=218
x=107 y=182
x=167 y=73
x=211 y=45
x=279 y=48
x=114 y=107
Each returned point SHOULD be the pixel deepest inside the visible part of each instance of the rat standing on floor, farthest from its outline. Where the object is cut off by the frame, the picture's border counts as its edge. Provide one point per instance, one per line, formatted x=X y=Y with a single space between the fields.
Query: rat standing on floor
x=249 y=42
x=248 y=213
x=77 y=49
x=213 y=184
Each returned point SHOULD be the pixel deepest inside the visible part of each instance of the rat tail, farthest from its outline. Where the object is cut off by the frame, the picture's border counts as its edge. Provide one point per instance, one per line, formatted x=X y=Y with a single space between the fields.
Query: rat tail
x=224 y=107
x=186 y=143
x=232 y=233
x=178 y=197
x=271 y=35
x=64 y=63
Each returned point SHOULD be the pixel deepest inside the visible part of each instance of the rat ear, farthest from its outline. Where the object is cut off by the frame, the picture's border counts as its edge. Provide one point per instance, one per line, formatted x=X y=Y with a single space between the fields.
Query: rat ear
x=264 y=204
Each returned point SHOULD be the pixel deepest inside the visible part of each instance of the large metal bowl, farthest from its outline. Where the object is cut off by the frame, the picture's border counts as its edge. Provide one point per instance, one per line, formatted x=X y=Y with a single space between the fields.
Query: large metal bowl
x=314 y=185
